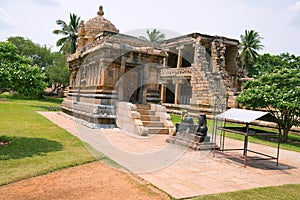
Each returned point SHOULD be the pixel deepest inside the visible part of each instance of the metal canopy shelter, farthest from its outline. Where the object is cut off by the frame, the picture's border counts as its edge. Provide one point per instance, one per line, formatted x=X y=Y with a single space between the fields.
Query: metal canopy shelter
x=246 y=116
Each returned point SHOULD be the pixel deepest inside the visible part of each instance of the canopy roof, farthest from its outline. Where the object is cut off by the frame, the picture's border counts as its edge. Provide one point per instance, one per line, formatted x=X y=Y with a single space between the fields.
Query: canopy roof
x=246 y=116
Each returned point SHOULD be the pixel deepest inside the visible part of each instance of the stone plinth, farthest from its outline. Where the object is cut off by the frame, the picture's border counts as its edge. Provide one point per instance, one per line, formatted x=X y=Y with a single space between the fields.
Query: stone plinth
x=190 y=140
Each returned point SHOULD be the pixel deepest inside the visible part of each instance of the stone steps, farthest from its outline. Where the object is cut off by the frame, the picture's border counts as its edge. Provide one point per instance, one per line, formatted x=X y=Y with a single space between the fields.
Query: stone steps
x=145 y=112
x=153 y=124
x=154 y=130
x=149 y=118
x=151 y=121
x=143 y=106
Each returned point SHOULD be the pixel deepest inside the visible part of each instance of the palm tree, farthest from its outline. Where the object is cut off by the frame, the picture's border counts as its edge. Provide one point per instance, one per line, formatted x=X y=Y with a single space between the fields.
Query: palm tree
x=154 y=36
x=69 y=42
x=250 y=44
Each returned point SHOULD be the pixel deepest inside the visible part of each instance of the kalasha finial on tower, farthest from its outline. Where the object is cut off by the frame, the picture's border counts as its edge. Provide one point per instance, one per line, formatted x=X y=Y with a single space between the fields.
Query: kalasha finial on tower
x=100 y=11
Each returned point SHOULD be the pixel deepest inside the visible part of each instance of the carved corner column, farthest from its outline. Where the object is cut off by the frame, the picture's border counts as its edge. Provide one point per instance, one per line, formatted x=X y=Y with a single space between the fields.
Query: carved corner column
x=179 y=64
x=214 y=55
x=121 y=81
x=163 y=93
x=73 y=74
x=179 y=59
x=163 y=88
x=196 y=45
x=144 y=80
x=177 y=93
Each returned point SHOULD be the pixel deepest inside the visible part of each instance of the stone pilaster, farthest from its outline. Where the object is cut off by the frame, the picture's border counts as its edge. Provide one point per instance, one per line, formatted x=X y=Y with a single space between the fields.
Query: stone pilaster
x=177 y=93
x=163 y=93
x=200 y=91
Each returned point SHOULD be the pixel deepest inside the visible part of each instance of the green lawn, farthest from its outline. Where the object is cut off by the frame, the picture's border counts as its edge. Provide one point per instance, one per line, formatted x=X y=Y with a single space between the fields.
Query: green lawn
x=287 y=192
x=37 y=145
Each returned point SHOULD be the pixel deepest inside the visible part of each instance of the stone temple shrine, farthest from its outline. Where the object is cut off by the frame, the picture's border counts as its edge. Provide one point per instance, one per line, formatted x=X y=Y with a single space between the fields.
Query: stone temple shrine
x=117 y=80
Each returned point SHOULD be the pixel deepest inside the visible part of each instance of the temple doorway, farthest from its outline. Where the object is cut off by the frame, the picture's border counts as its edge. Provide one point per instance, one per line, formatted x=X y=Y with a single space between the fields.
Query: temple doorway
x=170 y=94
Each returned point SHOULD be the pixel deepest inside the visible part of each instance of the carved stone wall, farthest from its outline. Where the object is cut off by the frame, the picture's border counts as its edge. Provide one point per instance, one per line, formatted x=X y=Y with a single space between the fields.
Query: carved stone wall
x=96 y=78
x=215 y=72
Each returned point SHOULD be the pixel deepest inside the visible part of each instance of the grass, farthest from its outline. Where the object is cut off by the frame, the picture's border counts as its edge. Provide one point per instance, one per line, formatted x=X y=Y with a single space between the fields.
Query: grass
x=290 y=191
x=37 y=145
x=293 y=143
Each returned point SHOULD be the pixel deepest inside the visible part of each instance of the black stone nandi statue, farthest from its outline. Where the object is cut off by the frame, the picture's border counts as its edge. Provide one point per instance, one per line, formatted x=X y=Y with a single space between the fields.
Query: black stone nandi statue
x=187 y=119
x=189 y=134
x=202 y=128
x=186 y=123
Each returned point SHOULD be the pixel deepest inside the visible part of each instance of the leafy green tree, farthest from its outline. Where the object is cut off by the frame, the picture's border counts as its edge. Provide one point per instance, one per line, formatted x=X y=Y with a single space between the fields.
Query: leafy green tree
x=279 y=94
x=58 y=73
x=268 y=63
x=53 y=64
x=9 y=54
x=250 y=44
x=17 y=74
x=154 y=36
x=39 y=55
x=68 y=43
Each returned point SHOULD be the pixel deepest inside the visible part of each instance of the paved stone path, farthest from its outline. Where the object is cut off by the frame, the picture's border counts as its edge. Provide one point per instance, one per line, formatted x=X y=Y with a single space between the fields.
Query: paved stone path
x=181 y=172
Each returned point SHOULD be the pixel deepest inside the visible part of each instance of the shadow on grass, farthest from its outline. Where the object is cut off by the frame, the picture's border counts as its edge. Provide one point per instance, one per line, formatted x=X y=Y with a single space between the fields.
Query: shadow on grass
x=21 y=147
x=256 y=162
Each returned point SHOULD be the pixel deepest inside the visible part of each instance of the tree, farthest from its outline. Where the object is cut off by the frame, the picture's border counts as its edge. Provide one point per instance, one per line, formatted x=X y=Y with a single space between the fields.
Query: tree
x=250 y=44
x=68 y=43
x=58 y=73
x=53 y=64
x=9 y=54
x=279 y=94
x=39 y=55
x=154 y=36
x=268 y=63
x=17 y=74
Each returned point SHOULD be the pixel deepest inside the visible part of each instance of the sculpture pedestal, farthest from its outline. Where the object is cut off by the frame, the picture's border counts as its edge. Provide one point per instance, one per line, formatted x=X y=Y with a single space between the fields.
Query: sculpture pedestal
x=191 y=140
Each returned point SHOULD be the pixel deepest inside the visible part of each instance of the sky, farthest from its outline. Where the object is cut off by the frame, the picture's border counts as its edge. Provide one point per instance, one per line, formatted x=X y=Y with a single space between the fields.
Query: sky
x=277 y=21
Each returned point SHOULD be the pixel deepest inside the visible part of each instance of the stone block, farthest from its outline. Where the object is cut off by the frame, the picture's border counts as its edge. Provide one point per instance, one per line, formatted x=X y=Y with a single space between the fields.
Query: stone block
x=143 y=131
x=106 y=45
x=153 y=107
x=126 y=48
x=164 y=116
x=160 y=108
x=172 y=131
x=137 y=122
x=125 y=106
x=135 y=114
x=116 y=46
x=168 y=124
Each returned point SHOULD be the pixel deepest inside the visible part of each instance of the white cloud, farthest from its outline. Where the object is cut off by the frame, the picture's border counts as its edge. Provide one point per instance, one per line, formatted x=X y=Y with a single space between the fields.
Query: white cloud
x=294 y=13
x=46 y=2
x=6 y=20
x=295 y=8
x=274 y=20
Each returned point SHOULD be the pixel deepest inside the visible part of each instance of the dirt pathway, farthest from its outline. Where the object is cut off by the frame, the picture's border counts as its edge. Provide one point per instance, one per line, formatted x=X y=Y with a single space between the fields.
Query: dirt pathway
x=86 y=182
